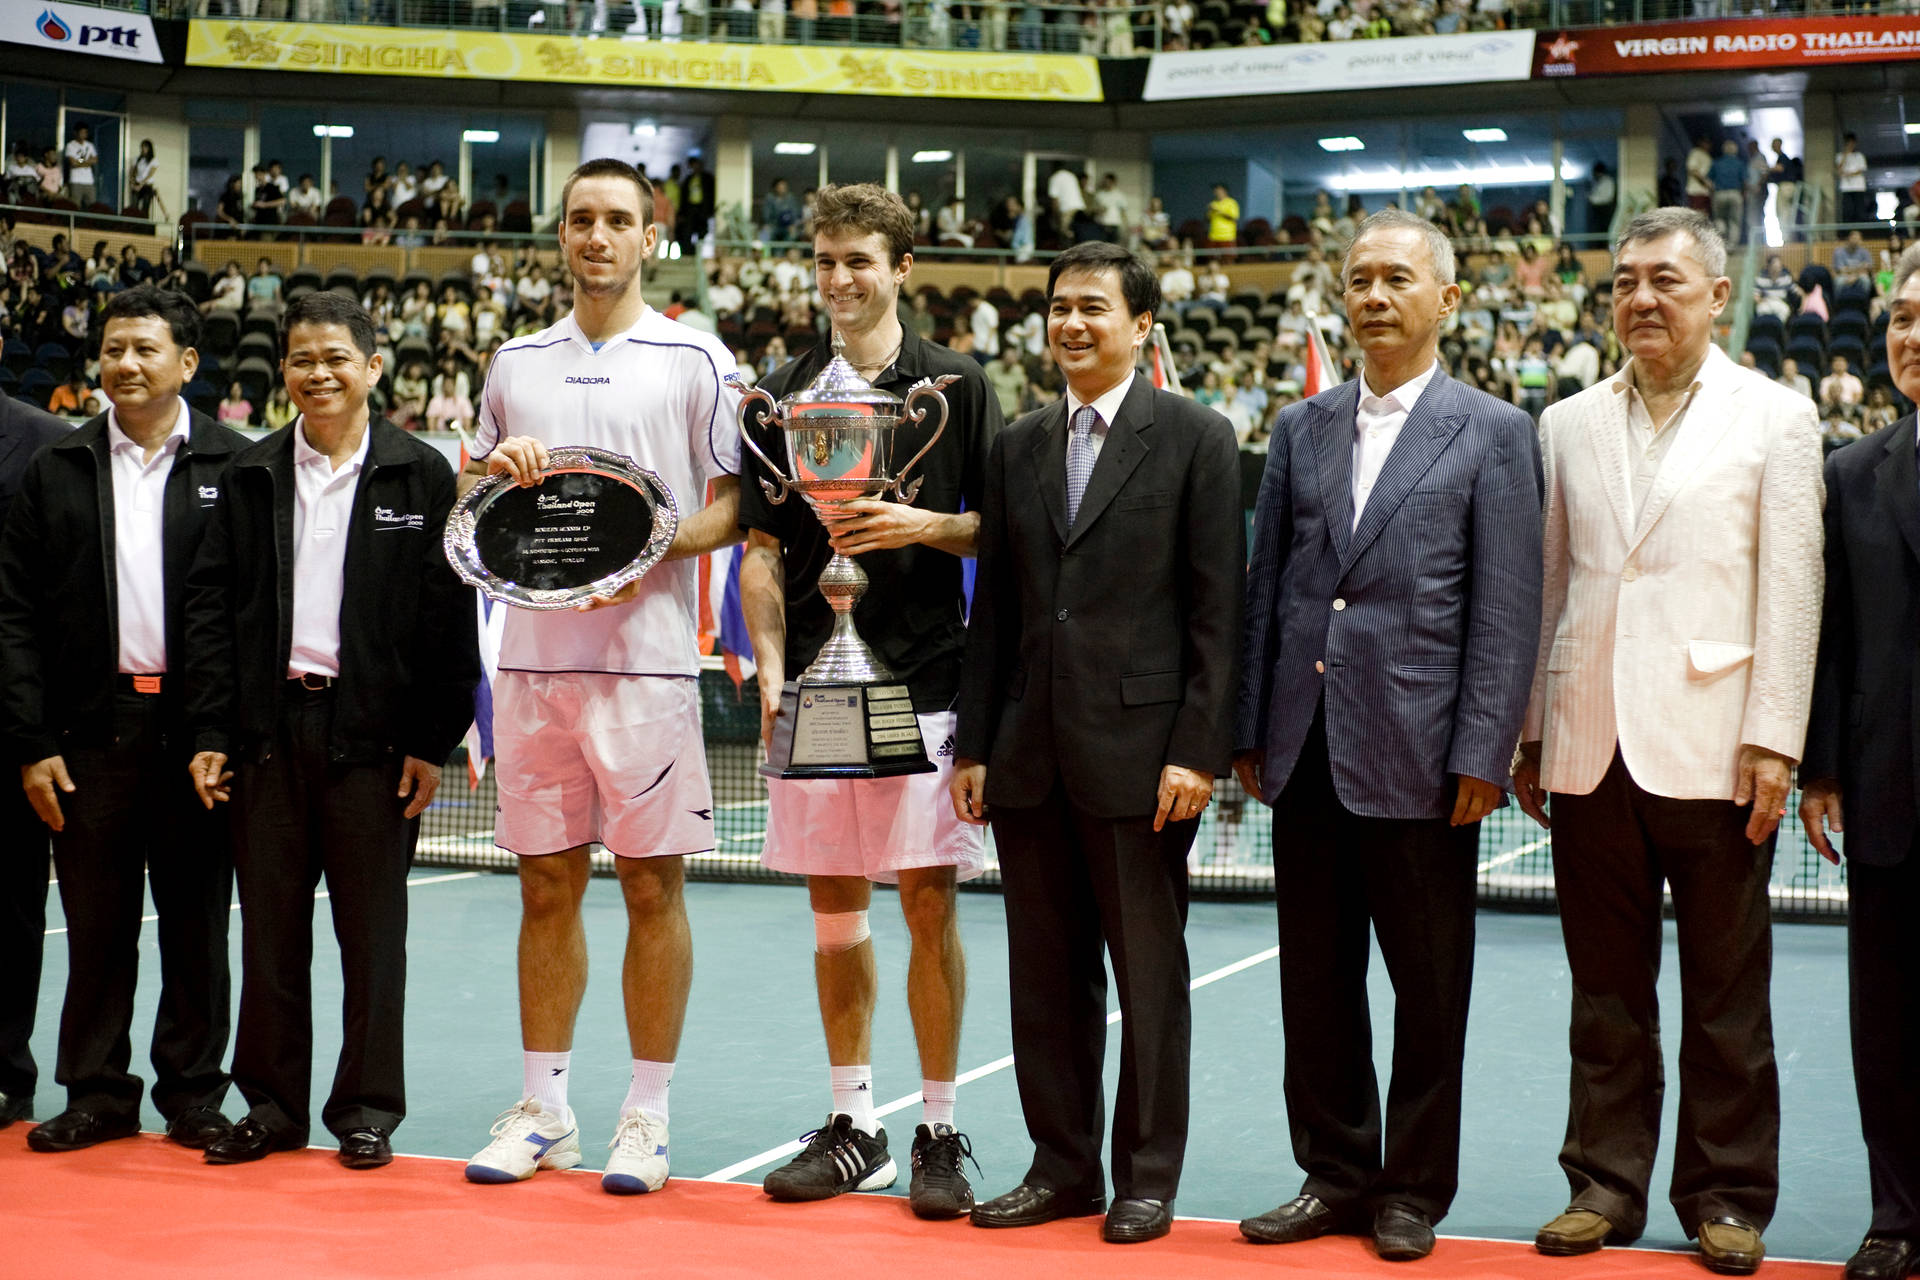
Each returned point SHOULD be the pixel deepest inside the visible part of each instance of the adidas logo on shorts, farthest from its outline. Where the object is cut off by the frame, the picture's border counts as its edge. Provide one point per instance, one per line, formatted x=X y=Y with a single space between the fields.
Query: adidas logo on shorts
x=946 y=748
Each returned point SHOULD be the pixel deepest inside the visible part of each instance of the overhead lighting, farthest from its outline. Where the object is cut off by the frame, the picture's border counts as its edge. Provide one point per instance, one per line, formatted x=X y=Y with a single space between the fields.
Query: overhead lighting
x=1485 y=135
x=1734 y=117
x=794 y=148
x=645 y=128
x=1489 y=175
x=1342 y=144
x=481 y=135
x=932 y=157
x=333 y=131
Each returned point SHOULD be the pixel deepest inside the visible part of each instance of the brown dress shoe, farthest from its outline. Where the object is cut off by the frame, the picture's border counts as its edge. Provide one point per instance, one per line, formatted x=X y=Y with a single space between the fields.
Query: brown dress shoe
x=1731 y=1246
x=1574 y=1232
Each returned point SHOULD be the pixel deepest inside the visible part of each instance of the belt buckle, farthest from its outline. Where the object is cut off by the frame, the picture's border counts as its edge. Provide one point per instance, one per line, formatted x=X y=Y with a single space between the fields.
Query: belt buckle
x=146 y=684
x=310 y=681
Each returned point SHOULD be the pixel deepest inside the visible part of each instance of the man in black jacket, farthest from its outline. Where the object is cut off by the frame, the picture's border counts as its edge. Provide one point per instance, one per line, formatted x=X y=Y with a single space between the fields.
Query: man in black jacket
x=1861 y=772
x=93 y=571
x=332 y=657
x=24 y=852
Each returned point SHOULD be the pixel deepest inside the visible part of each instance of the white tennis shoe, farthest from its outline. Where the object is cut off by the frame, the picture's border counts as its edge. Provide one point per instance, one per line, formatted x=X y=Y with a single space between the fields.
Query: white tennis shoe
x=527 y=1137
x=639 y=1159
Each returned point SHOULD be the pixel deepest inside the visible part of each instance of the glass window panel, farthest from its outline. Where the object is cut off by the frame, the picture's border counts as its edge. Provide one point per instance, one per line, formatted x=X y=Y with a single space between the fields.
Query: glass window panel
x=286 y=135
x=104 y=132
x=503 y=169
x=33 y=117
x=215 y=154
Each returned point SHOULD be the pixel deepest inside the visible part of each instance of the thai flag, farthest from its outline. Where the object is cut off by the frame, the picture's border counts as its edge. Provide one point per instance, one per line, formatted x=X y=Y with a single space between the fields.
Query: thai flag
x=493 y=622
x=736 y=648
x=1320 y=372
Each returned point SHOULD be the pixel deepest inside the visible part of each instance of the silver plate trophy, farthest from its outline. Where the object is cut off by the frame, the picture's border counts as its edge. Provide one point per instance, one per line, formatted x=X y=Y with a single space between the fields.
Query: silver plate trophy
x=596 y=522
x=846 y=716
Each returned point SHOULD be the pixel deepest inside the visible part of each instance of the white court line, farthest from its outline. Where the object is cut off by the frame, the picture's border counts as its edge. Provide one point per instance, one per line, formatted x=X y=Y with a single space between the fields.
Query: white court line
x=1514 y=855
x=411 y=882
x=734 y=1170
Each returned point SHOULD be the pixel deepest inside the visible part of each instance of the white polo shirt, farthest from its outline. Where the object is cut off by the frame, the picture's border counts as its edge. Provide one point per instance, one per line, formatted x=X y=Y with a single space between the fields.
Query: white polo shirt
x=322 y=510
x=661 y=393
x=139 y=528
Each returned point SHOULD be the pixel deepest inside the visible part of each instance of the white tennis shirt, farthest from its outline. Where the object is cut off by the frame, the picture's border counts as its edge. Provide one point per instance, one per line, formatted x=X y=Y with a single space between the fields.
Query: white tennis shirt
x=663 y=394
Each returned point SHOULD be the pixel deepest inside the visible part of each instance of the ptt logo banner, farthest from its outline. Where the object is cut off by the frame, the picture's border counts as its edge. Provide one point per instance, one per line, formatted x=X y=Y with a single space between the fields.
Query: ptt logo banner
x=492 y=55
x=73 y=28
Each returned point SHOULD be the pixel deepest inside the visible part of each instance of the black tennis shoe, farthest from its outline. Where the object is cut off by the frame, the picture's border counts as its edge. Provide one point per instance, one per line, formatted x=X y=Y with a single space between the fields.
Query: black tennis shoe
x=939 y=1187
x=838 y=1158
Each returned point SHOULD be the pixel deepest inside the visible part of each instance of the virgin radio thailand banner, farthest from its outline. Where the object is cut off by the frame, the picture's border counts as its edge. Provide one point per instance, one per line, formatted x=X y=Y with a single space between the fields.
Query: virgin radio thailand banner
x=1738 y=44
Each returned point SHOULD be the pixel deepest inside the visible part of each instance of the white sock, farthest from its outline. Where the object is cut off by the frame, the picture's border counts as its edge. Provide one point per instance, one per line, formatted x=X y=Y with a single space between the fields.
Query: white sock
x=853 y=1096
x=649 y=1088
x=936 y=1102
x=545 y=1075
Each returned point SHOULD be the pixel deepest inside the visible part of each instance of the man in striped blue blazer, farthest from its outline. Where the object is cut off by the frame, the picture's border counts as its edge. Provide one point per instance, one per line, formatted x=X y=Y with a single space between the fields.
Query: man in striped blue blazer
x=1393 y=600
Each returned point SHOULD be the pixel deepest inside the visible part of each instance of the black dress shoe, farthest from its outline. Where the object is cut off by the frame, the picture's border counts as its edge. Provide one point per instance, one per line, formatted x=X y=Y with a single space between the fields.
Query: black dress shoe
x=1302 y=1218
x=15 y=1106
x=250 y=1140
x=1130 y=1221
x=1883 y=1258
x=198 y=1128
x=365 y=1149
x=74 y=1129
x=1029 y=1206
x=1401 y=1233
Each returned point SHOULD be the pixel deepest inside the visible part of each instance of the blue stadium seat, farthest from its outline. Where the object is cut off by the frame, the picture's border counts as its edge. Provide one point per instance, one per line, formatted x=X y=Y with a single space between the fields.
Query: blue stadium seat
x=1810 y=354
x=36 y=385
x=1766 y=326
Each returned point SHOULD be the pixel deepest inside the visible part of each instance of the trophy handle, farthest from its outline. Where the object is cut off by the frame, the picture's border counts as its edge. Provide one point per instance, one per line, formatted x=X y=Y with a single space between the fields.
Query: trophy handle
x=915 y=414
x=777 y=488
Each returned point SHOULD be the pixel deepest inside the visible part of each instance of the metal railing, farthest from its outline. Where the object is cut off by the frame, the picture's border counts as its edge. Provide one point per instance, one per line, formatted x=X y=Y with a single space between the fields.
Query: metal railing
x=983 y=25
x=934 y=24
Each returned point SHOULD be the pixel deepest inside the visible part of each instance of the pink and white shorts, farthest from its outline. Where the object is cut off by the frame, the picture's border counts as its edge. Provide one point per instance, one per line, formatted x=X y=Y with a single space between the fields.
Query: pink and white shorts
x=874 y=827
x=591 y=758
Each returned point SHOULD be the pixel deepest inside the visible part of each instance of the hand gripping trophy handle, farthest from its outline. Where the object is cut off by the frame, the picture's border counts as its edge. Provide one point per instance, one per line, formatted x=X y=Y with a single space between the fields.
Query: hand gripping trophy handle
x=930 y=388
x=776 y=488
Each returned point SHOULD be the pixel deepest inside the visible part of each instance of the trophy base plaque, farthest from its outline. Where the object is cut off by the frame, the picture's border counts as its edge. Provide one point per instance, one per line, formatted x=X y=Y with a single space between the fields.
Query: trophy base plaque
x=845 y=731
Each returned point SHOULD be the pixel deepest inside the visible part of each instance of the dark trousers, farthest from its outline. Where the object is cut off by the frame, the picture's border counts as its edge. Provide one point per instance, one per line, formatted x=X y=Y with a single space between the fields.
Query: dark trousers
x=1073 y=883
x=25 y=858
x=1413 y=880
x=1611 y=851
x=1883 y=967
x=301 y=817
x=133 y=810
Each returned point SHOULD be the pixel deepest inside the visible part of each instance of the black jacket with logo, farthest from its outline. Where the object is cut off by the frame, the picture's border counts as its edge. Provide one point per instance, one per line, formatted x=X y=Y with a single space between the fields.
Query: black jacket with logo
x=59 y=590
x=409 y=642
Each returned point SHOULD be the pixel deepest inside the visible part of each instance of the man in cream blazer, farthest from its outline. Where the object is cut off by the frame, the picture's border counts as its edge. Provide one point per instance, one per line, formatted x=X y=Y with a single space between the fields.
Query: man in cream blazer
x=1677 y=643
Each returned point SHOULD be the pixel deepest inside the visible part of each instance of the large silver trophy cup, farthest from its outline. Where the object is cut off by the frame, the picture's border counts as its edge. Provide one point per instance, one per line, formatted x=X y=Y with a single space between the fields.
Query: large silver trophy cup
x=846 y=716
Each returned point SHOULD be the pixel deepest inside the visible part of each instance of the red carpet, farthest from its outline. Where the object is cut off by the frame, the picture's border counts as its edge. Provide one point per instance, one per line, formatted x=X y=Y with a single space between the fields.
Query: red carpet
x=142 y=1208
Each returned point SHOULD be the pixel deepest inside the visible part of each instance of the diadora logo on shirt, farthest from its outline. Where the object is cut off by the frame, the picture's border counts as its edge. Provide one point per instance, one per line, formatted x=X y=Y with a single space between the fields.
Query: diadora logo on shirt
x=388 y=518
x=589 y=382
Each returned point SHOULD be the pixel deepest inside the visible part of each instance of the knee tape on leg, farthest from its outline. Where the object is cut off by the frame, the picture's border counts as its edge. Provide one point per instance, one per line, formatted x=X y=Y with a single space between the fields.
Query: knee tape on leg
x=837 y=931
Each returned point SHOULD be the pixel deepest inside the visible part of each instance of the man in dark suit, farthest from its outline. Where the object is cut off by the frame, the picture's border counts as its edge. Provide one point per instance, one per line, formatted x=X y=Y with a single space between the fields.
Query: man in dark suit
x=1393 y=603
x=93 y=570
x=1863 y=748
x=1095 y=712
x=332 y=656
x=25 y=854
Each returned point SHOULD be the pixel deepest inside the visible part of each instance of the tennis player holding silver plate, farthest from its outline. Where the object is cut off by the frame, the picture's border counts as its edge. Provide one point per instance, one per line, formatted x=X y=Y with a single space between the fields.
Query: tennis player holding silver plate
x=595 y=522
x=845 y=717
